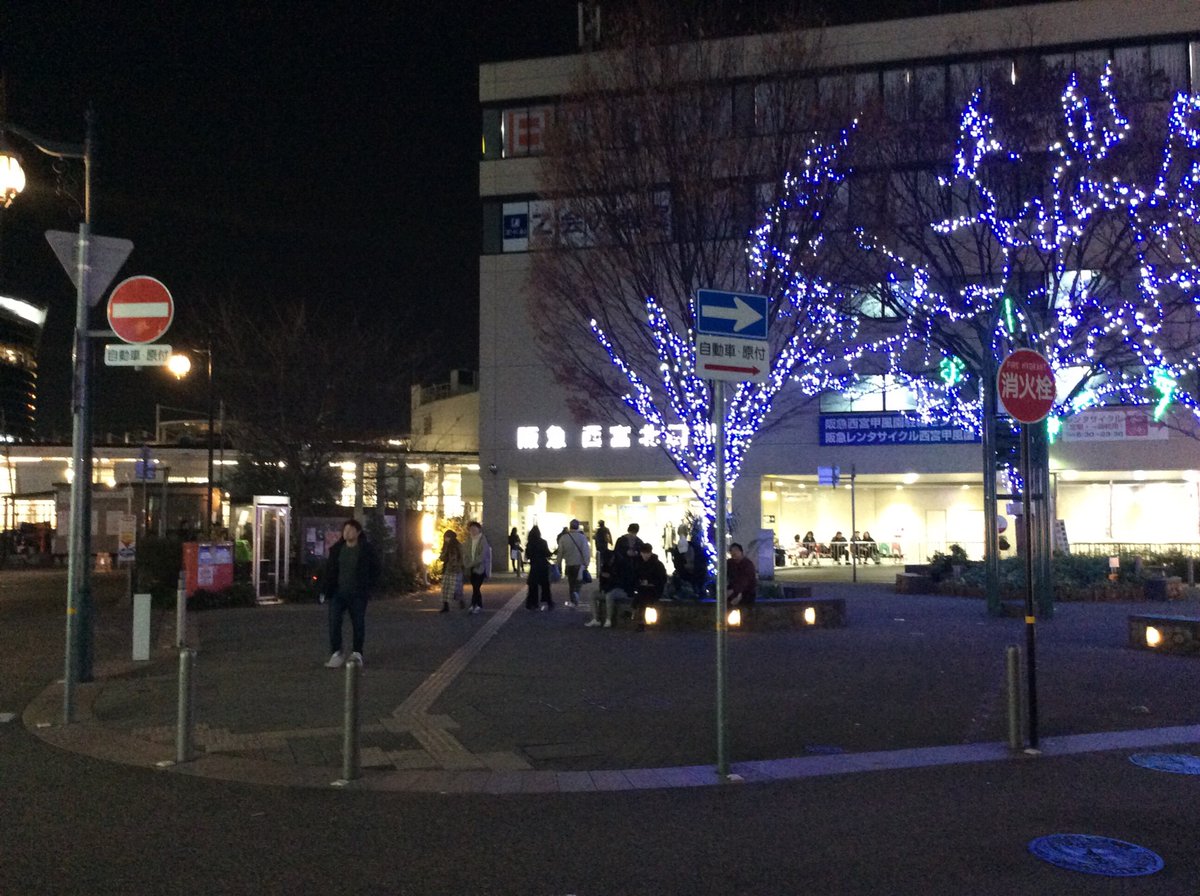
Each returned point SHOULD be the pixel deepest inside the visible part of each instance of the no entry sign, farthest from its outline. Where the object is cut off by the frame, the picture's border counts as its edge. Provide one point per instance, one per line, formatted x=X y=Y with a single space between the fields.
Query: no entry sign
x=140 y=310
x=1026 y=383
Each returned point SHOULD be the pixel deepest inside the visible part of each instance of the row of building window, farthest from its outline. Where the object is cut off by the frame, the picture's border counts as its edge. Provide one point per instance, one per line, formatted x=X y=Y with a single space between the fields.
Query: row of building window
x=922 y=93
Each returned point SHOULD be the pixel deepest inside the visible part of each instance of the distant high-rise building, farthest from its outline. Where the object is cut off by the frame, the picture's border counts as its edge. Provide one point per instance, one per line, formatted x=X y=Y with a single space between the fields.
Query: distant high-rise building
x=21 y=324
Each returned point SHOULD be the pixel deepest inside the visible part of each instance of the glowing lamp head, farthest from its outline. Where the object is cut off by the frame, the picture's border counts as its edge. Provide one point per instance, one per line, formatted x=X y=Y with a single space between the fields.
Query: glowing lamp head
x=12 y=178
x=651 y=616
x=735 y=618
x=179 y=365
x=810 y=615
x=1153 y=636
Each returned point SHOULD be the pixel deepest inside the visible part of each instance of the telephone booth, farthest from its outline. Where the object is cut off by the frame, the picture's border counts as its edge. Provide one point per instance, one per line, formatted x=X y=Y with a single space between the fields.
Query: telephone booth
x=272 y=535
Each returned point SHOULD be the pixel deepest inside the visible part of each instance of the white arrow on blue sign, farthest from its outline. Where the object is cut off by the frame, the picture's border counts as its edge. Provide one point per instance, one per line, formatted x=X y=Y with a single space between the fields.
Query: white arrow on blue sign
x=739 y=314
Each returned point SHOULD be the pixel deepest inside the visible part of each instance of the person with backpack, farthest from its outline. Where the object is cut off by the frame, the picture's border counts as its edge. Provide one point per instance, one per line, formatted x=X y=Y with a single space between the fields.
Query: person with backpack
x=574 y=553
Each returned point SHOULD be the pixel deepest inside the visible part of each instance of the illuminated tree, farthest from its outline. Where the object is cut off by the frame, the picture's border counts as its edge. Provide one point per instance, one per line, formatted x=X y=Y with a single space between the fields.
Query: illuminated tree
x=656 y=173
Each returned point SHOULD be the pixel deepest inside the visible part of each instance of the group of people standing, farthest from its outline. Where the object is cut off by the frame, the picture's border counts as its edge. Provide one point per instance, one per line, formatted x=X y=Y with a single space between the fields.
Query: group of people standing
x=628 y=572
x=469 y=560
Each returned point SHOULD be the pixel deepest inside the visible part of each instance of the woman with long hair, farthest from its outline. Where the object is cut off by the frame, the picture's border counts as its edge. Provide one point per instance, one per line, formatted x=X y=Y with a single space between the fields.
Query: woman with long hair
x=516 y=552
x=537 y=552
x=452 y=570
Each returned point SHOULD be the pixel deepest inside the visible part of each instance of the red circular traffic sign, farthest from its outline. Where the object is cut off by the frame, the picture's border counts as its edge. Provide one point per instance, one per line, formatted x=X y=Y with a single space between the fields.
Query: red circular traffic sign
x=140 y=309
x=1026 y=384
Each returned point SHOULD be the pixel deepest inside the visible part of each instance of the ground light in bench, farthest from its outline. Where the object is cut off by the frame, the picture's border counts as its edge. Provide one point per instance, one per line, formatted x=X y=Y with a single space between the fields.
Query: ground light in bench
x=810 y=615
x=1153 y=636
x=651 y=615
x=734 y=618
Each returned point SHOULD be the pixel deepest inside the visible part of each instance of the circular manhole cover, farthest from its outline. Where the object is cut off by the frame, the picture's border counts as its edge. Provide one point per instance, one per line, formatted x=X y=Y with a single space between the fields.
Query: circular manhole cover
x=1179 y=763
x=1096 y=855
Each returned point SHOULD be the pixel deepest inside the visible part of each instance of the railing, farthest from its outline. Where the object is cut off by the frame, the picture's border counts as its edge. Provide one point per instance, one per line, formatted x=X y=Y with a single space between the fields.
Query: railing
x=1135 y=548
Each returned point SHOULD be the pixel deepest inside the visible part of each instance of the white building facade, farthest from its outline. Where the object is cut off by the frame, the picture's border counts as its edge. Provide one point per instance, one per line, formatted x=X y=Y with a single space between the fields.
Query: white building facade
x=1118 y=476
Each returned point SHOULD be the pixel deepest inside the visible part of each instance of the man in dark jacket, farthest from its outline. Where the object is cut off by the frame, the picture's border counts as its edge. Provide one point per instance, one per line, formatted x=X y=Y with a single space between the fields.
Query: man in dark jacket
x=651 y=580
x=625 y=559
x=741 y=578
x=350 y=573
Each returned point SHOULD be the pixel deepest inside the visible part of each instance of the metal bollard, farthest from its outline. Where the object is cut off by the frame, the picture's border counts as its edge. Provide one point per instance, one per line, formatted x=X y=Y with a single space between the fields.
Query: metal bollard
x=1012 y=677
x=351 y=766
x=181 y=612
x=186 y=711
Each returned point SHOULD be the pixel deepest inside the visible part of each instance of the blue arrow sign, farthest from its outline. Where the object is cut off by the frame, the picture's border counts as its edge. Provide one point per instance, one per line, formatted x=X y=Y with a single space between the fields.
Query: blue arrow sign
x=731 y=314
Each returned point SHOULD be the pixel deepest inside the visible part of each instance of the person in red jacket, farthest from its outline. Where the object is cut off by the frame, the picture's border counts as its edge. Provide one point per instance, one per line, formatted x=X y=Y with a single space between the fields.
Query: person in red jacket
x=741 y=578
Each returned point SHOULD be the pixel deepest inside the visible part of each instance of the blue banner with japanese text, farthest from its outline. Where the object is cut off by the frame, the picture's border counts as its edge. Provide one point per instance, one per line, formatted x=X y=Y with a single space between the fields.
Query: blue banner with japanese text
x=889 y=429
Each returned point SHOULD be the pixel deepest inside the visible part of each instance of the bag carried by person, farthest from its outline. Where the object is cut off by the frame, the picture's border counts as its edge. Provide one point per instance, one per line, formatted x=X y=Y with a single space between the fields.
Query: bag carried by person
x=585 y=577
x=555 y=573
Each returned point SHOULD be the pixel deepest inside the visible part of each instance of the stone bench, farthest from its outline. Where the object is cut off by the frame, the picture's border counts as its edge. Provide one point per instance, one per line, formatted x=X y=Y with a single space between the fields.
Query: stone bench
x=1164 y=634
x=914 y=583
x=763 y=615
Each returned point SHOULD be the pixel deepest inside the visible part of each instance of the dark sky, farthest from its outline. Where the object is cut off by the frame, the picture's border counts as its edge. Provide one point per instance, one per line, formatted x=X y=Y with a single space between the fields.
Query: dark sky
x=263 y=151
x=269 y=151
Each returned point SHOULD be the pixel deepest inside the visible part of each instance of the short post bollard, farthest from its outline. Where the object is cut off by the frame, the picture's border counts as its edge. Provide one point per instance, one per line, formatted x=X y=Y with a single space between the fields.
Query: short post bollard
x=351 y=766
x=1012 y=678
x=181 y=612
x=187 y=693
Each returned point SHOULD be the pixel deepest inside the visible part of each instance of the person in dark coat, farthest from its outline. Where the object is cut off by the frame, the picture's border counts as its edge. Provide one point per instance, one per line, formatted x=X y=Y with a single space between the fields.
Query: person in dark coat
x=537 y=556
x=741 y=578
x=604 y=546
x=651 y=578
x=626 y=559
x=350 y=574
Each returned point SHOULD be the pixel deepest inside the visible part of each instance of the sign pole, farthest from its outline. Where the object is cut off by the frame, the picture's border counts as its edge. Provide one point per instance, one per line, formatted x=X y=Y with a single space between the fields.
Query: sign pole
x=718 y=415
x=1030 y=616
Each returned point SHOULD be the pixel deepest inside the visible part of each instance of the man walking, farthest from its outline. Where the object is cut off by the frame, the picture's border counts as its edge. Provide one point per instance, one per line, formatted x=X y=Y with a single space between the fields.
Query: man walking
x=574 y=552
x=350 y=573
x=604 y=542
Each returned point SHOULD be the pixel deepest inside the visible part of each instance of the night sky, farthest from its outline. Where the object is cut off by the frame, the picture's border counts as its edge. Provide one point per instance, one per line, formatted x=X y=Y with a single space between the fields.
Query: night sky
x=266 y=152
x=259 y=151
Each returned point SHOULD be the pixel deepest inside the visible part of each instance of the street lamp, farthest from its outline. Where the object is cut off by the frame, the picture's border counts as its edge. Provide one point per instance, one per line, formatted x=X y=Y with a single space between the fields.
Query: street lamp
x=79 y=599
x=180 y=365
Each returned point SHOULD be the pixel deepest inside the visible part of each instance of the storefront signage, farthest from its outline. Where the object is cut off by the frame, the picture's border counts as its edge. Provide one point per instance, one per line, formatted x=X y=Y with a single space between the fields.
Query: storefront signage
x=1112 y=425
x=556 y=438
x=889 y=429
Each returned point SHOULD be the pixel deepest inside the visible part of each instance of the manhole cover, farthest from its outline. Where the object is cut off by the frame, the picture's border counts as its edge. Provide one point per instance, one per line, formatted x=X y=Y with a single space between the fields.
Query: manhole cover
x=1096 y=855
x=1179 y=763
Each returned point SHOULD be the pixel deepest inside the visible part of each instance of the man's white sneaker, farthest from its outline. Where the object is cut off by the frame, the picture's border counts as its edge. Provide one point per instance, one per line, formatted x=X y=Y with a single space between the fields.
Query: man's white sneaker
x=336 y=661
x=608 y=623
x=592 y=623
x=357 y=656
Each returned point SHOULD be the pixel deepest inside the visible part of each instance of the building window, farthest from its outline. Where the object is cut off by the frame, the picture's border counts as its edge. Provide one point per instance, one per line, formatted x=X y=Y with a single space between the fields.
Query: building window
x=493 y=143
x=870 y=393
x=524 y=130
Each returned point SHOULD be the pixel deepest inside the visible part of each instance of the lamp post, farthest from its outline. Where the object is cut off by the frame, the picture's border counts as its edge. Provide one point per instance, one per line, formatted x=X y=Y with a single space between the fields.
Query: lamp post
x=180 y=365
x=78 y=664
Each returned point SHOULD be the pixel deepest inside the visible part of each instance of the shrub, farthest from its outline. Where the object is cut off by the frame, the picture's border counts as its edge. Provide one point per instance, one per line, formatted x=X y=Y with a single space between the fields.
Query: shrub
x=942 y=565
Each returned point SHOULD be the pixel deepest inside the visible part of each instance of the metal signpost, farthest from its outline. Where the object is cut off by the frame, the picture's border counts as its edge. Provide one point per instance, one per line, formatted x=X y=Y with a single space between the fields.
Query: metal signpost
x=1027 y=392
x=731 y=346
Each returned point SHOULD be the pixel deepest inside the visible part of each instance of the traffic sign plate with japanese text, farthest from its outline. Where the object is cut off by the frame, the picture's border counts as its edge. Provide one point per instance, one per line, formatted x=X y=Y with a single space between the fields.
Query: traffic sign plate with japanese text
x=140 y=309
x=1026 y=385
x=731 y=337
x=136 y=355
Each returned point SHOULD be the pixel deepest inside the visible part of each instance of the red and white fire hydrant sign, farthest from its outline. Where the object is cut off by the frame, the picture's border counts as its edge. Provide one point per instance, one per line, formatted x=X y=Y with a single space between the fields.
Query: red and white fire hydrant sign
x=1026 y=384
